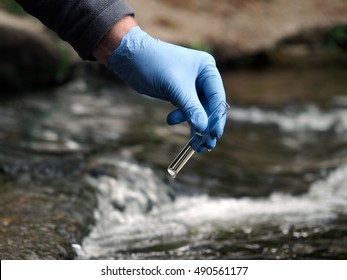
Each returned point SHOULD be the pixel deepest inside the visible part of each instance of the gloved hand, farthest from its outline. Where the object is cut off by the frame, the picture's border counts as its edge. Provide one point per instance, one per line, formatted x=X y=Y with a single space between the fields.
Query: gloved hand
x=187 y=78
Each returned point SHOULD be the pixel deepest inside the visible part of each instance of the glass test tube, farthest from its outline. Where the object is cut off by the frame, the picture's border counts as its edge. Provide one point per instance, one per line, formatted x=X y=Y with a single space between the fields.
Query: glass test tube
x=197 y=140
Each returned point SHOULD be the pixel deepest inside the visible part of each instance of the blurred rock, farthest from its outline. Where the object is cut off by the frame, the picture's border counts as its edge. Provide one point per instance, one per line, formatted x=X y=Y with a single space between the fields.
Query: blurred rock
x=30 y=55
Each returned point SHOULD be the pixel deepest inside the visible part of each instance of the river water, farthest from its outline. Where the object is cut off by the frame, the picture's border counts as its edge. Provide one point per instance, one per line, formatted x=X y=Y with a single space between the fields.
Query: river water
x=274 y=188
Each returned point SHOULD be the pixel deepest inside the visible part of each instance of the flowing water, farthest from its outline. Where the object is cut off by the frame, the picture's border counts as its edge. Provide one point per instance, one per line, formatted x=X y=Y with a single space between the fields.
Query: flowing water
x=274 y=188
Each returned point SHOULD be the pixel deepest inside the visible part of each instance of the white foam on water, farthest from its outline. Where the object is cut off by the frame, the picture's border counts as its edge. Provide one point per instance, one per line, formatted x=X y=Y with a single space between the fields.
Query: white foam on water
x=186 y=216
x=311 y=118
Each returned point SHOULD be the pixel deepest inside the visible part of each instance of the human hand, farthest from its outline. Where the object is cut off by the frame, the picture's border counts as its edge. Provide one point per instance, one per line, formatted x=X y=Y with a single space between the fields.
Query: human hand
x=187 y=78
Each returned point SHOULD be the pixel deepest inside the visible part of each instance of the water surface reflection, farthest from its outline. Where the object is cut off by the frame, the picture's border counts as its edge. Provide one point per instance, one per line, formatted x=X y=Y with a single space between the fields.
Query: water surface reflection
x=275 y=186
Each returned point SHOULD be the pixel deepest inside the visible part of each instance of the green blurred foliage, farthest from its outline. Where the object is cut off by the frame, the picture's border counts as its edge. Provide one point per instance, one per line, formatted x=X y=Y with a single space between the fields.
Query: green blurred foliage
x=201 y=47
x=11 y=6
x=336 y=38
x=65 y=60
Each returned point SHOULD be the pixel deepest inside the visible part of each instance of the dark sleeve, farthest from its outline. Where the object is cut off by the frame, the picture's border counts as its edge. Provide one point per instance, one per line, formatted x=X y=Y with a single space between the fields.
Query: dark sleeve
x=82 y=23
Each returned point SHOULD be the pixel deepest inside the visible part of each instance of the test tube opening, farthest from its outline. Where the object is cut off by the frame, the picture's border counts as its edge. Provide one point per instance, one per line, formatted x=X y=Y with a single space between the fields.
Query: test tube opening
x=172 y=172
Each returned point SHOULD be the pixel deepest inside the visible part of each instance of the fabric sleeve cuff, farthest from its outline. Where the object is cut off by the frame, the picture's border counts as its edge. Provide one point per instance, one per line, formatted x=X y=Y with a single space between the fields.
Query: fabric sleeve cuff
x=98 y=28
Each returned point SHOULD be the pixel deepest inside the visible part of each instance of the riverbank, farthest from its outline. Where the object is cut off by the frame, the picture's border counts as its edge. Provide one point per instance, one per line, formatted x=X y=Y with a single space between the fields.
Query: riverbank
x=235 y=30
x=238 y=33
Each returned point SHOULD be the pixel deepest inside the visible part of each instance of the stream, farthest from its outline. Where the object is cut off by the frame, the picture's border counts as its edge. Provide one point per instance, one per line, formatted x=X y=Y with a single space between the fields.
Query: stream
x=275 y=187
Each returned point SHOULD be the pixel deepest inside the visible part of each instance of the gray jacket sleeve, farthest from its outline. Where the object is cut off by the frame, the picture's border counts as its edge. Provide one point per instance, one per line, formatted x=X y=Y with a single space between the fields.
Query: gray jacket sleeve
x=82 y=23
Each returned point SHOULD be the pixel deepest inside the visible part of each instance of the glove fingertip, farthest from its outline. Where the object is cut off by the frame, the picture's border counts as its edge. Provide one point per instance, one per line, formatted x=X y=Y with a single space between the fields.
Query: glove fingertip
x=211 y=143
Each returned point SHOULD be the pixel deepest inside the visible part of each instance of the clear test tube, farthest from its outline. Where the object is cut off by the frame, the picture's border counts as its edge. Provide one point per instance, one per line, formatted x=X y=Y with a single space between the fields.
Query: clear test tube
x=197 y=140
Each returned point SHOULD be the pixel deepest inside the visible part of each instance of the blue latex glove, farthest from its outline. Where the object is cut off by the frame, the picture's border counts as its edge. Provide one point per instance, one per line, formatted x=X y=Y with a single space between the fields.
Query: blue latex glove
x=187 y=78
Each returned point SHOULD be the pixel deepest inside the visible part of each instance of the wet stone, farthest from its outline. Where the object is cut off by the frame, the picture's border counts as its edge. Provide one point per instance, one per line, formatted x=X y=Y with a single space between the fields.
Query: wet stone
x=43 y=220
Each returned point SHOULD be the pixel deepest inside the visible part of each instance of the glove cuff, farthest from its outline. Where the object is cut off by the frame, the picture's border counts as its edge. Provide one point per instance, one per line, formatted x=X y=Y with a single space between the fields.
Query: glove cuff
x=129 y=43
